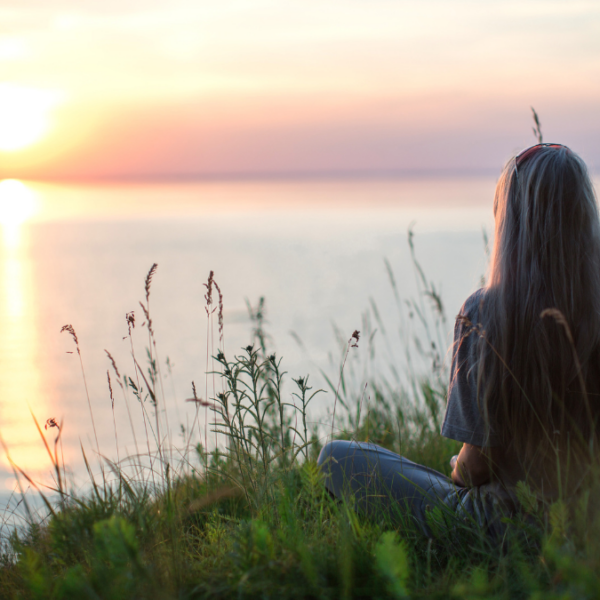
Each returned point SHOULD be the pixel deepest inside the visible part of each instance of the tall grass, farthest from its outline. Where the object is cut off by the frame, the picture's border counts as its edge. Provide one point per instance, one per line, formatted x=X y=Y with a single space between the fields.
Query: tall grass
x=250 y=517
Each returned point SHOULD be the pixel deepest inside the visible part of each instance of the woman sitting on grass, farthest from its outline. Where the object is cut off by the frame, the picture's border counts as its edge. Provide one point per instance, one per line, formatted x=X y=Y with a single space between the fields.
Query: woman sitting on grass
x=524 y=393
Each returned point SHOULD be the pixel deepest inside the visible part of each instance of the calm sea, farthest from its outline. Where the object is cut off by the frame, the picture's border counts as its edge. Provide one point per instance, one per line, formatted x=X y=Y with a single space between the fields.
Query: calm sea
x=314 y=250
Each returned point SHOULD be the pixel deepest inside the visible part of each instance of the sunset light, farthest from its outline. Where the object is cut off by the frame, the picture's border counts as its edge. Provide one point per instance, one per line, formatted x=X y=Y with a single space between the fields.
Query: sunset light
x=17 y=204
x=263 y=328
x=24 y=116
x=20 y=383
x=195 y=88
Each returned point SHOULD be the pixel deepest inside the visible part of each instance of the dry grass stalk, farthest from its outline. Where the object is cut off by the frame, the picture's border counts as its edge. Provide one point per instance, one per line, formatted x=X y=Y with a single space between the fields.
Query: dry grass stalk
x=352 y=343
x=195 y=399
x=126 y=401
x=112 y=404
x=155 y=366
x=209 y=312
x=114 y=365
x=362 y=396
x=16 y=474
x=50 y=423
x=220 y=314
x=208 y=286
x=148 y=281
x=222 y=349
x=69 y=329
x=200 y=402
x=537 y=128
x=53 y=457
x=118 y=374
x=130 y=320
x=148 y=320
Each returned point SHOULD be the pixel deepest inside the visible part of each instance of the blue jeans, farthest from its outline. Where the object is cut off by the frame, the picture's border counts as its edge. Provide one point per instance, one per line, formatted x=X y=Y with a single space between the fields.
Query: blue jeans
x=379 y=481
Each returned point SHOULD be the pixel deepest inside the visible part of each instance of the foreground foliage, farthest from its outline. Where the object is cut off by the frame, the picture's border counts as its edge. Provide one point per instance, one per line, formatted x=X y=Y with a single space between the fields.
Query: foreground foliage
x=280 y=534
x=253 y=518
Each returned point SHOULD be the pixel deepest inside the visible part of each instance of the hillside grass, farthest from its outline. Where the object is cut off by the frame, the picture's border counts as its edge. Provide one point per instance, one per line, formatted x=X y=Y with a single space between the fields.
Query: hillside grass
x=252 y=518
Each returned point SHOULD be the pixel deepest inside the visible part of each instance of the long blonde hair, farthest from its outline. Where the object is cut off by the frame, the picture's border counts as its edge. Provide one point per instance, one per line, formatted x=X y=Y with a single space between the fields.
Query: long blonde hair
x=536 y=388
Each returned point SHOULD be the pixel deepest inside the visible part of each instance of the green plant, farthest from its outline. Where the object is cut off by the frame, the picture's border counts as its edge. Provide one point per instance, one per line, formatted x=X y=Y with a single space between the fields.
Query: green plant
x=250 y=517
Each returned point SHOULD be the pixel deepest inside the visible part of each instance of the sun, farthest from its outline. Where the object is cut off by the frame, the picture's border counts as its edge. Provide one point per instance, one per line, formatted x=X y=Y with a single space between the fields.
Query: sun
x=24 y=115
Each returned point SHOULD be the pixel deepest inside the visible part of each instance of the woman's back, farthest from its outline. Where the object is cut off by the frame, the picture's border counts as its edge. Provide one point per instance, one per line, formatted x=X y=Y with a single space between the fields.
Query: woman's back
x=534 y=331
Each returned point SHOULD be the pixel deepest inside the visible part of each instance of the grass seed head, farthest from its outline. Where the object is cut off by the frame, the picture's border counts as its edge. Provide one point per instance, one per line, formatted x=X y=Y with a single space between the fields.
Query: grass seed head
x=209 y=286
x=148 y=281
x=200 y=402
x=130 y=318
x=220 y=315
x=114 y=364
x=69 y=329
x=112 y=398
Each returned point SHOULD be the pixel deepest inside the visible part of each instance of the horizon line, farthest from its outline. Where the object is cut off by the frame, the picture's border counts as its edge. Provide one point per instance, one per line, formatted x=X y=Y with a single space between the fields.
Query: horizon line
x=291 y=175
x=300 y=175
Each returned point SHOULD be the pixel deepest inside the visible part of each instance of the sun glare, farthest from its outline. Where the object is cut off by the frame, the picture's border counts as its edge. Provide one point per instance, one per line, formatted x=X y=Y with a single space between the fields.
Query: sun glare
x=20 y=377
x=24 y=115
x=17 y=204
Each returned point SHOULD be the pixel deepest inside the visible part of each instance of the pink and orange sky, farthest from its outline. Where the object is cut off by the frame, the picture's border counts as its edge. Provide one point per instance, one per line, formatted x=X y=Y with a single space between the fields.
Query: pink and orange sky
x=168 y=88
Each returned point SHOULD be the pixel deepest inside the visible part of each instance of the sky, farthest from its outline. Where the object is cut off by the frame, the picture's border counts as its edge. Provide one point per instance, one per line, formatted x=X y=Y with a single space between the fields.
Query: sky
x=103 y=89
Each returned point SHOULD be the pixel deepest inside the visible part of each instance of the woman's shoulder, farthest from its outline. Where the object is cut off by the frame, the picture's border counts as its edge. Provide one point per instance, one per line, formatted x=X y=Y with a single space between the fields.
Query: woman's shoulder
x=471 y=305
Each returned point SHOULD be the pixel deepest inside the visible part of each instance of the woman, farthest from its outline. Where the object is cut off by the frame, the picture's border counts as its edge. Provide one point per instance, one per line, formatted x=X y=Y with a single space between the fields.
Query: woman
x=524 y=393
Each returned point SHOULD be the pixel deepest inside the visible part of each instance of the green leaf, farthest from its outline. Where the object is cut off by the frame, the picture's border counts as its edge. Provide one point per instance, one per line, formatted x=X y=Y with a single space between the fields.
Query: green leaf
x=391 y=559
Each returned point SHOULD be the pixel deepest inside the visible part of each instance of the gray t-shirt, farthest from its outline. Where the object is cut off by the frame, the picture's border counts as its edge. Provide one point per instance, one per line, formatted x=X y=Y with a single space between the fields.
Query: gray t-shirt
x=463 y=421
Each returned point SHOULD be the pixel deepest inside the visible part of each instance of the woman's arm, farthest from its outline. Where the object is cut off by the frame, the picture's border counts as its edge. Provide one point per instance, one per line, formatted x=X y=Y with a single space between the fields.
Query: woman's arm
x=471 y=467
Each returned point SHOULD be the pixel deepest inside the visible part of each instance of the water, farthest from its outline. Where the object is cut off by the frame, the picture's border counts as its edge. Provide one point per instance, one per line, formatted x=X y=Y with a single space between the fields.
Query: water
x=313 y=249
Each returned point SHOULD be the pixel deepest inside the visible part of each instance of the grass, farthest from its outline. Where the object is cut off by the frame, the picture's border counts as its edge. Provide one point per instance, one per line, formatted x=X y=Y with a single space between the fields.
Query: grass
x=250 y=517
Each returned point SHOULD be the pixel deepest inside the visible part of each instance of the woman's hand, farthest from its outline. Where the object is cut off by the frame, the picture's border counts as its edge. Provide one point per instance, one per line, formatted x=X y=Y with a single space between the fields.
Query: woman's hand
x=453 y=461
x=471 y=467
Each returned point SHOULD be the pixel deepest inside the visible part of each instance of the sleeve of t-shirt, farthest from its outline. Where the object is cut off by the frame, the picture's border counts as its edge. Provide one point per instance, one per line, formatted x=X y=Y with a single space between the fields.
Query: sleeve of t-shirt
x=463 y=421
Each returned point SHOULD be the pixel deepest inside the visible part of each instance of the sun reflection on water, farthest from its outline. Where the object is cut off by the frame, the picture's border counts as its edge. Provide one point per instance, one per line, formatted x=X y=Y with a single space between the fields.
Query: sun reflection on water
x=20 y=377
x=18 y=203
